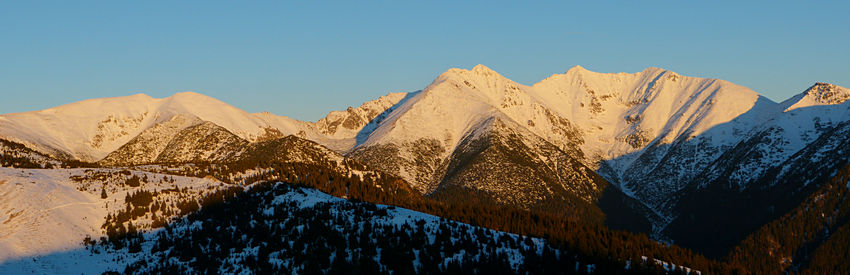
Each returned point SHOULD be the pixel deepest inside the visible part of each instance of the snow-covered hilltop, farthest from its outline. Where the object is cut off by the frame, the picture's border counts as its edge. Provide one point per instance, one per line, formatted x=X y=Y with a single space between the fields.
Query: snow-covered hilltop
x=659 y=144
x=657 y=136
x=89 y=130
x=624 y=126
x=51 y=211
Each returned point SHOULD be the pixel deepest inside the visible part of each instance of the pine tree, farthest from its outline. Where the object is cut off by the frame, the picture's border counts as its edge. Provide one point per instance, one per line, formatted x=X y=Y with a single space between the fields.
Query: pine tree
x=131 y=230
x=103 y=193
x=135 y=246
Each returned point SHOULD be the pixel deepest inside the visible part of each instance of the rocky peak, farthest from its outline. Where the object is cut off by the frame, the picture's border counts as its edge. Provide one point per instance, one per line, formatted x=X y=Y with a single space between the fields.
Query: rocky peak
x=347 y=123
x=817 y=95
x=828 y=94
x=479 y=72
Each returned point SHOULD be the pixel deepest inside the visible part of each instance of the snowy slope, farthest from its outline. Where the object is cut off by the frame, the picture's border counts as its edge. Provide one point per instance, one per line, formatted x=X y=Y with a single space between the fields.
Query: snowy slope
x=541 y=175
x=201 y=143
x=604 y=120
x=621 y=113
x=205 y=142
x=346 y=124
x=44 y=212
x=48 y=212
x=290 y=213
x=820 y=94
x=655 y=128
x=652 y=134
x=426 y=129
x=770 y=172
x=17 y=155
x=793 y=125
x=150 y=143
x=421 y=133
x=783 y=131
x=89 y=130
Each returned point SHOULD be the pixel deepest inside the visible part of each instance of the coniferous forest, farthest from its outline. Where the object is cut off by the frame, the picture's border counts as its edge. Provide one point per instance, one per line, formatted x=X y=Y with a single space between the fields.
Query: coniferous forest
x=594 y=247
x=269 y=229
x=276 y=216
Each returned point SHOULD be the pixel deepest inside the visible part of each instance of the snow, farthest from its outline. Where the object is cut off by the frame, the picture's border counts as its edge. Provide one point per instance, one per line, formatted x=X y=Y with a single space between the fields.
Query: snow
x=818 y=95
x=308 y=198
x=43 y=212
x=672 y=267
x=655 y=129
x=77 y=261
x=362 y=113
x=89 y=130
x=397 y=217
x=670 y=106
x=459 y=102
x=45 y=215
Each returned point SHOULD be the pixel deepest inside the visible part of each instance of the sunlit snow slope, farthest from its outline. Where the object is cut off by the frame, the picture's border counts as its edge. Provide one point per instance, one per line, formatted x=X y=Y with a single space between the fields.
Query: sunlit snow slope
x=47 y=211
x=89 y=130
x=654 y=134
x=619 y=124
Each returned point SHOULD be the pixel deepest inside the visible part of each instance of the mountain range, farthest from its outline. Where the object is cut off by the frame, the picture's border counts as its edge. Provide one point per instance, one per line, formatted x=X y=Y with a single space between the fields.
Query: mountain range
x=678 y=158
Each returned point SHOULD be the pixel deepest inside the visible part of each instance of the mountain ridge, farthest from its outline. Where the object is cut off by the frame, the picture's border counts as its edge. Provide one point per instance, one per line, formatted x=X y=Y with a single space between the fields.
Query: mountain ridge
x=91 y=129
x=654 y=136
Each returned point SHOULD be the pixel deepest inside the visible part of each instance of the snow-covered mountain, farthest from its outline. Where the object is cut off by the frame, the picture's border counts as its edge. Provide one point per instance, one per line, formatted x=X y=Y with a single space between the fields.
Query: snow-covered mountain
x=658 y=137
x=660 y=144
x=780 y=162
x=348 y=123
x=648 y=133
x=53 y=210
x=89 y=130
x=206 y=142
x=150 y=143
x=790 y=127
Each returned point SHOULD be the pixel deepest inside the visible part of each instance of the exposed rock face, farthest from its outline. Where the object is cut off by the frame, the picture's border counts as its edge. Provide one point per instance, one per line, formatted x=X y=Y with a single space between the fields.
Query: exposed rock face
x=205 y=142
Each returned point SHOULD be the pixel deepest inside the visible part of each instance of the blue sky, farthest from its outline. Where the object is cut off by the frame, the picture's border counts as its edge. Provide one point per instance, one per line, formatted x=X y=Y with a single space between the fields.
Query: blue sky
x=305 y=59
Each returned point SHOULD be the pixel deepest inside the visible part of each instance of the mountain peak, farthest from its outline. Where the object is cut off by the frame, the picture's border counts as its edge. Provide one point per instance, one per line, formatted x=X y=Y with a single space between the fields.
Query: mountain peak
x=193 y=101
x=576 y=69
x=819 y=94
x=463 y=76
x=189 y=95
x=826 y=93
x=483 y=70
x=140 y=96
x=652 y=70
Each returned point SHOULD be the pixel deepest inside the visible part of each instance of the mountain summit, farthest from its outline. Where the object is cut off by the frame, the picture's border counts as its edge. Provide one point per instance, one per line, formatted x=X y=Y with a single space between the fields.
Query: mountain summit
x=91 y=129
x=819 y=94
x=645 y=151
x=661 y=139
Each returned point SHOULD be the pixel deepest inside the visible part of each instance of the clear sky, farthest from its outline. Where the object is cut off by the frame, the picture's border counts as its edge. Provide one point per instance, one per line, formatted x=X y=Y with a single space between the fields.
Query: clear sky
x=303 y=59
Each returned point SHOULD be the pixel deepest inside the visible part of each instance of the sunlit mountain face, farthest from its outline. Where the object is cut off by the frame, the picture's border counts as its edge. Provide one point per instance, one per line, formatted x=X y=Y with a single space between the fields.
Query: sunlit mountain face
x=582 y=172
